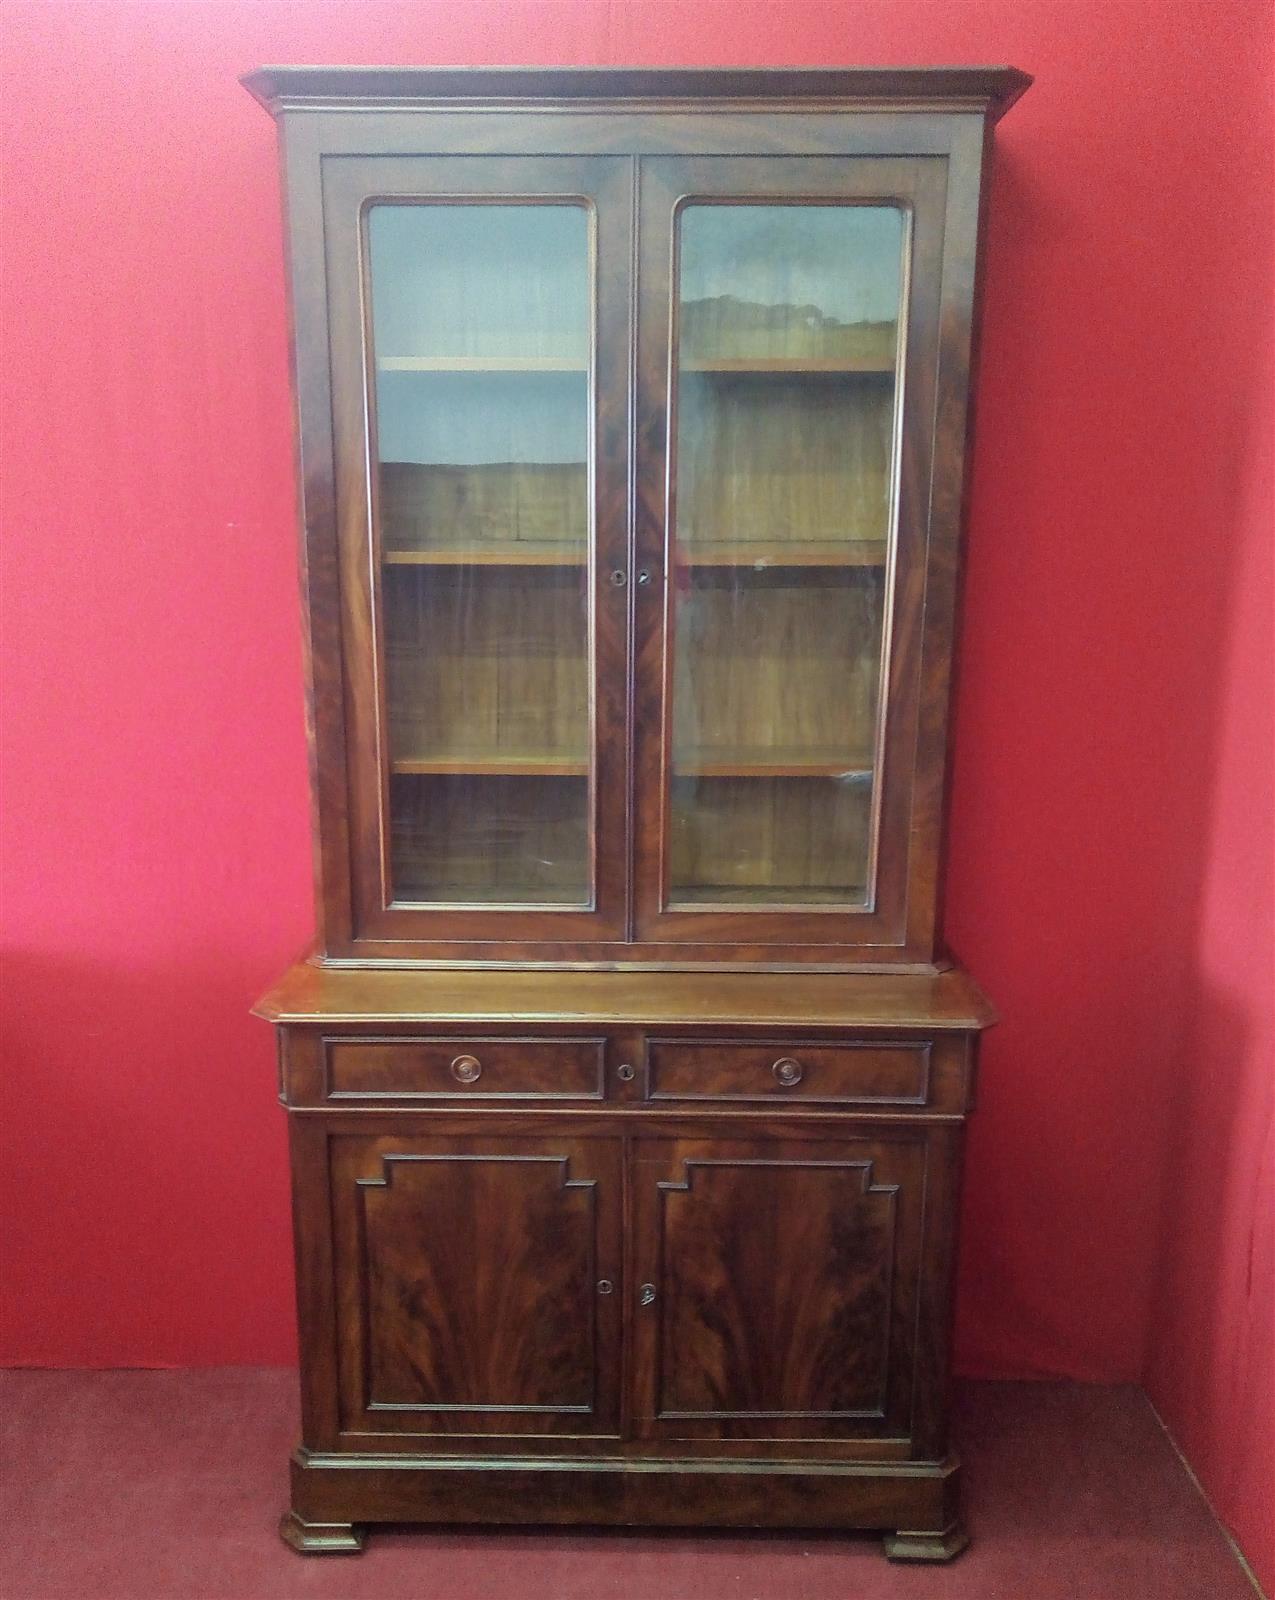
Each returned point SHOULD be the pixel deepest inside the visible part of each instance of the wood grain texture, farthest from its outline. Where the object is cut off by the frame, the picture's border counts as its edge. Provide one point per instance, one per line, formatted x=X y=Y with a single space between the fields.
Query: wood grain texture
x=532 y=503
x=813 y=1071
x=310 y=993
x=499 y=659
x=784 y=1283
x=583 y=1492
x=468 y=1273
x=592 y=1075
x=988 y=89
x=765 y=668
x=588 y=1228
x=425 y=1069
x=763 y=459
x=769 y=660
x=882 y=907
x=486 y=663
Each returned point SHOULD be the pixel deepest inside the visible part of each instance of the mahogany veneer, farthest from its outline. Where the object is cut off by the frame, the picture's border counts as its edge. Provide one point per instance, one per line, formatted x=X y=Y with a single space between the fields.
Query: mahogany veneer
x=627 y=1083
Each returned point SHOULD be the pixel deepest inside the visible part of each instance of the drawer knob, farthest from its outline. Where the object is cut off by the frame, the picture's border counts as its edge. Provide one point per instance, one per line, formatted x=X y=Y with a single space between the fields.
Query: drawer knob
x=624 y=1072
x=466 y=1069
x=646 y=1294
x=787 y=1071
x=605 y=1286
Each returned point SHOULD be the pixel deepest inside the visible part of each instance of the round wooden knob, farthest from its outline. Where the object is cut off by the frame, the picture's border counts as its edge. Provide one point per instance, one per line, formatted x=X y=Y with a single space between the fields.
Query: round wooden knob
x=466 y=1069
x=787 y=1071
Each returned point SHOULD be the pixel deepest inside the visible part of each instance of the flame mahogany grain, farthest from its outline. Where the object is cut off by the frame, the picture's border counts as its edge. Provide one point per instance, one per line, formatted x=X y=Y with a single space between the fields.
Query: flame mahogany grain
x=625 y=1212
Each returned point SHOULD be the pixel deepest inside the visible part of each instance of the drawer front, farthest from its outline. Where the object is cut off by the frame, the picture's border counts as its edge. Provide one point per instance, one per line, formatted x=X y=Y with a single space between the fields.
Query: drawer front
x=468 y=1069
x=778 y=1069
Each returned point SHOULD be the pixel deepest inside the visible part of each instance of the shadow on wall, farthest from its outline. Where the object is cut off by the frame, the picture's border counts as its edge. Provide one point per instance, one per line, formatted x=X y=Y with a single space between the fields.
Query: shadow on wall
x=1211 y=1345
x=146 y=1180
x=1096 y=647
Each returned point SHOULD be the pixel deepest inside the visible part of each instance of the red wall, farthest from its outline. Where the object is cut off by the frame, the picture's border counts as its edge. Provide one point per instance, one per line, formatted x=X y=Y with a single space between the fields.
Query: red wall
x=1211 y=1354
x=1106 y=879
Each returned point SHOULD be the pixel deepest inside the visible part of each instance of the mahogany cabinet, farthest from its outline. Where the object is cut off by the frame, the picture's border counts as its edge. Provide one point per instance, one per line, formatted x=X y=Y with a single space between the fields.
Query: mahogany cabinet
x=627 y=1078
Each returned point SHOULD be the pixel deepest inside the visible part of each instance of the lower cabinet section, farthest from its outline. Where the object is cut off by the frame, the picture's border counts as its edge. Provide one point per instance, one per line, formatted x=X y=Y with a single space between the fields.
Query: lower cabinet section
x=480 y=1286
x=625 y=1315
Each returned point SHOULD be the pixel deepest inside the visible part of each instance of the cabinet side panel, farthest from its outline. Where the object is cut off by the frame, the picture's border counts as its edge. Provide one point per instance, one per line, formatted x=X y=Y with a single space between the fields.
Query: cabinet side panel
x=953 y=426
x=316 y=1310
x=932 y=1387
x=316 y=485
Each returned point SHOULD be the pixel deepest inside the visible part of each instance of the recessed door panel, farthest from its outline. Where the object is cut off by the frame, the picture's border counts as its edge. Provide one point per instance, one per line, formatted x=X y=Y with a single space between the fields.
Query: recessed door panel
x=778 y=1287
x=469 y=1273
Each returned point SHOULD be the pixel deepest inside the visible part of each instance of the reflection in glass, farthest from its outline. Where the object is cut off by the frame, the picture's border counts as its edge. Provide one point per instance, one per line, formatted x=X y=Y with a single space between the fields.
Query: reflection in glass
x=788 y=333
x=482 y=331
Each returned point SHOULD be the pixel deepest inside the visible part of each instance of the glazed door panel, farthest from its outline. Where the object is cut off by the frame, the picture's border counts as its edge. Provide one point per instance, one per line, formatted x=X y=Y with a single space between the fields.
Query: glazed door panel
x=777 y=1287
x=478 y=1284
x=788 y=334
x=479 y=313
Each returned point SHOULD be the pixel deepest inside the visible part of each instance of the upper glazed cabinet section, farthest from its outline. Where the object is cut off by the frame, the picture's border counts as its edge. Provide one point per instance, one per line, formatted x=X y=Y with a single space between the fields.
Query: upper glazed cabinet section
x=632 y=416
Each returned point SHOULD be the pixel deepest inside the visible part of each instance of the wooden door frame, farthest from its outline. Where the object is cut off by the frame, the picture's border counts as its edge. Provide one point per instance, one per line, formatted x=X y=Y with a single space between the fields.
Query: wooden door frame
x=917 y=185
x=591 y=1163
x=658 y=1163
x=600 y=184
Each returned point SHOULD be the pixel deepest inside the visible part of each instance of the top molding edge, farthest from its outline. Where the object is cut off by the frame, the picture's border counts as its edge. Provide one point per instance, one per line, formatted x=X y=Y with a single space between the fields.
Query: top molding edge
x=989 y=90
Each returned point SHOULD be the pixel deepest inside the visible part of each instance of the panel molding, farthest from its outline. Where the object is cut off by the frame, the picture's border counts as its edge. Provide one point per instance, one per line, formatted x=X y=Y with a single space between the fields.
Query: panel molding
x=923 y=1050
x=390 y=1162
x=462 y=1092
x=864 y=1167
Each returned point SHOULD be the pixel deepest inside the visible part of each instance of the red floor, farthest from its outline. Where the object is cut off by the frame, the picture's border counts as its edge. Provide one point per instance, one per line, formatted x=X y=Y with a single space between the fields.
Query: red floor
x=142 y=1485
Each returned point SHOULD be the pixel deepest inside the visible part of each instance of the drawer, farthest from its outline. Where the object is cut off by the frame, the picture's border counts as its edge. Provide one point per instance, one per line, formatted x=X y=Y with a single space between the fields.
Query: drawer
x=779 y=1069
x=470 y=1069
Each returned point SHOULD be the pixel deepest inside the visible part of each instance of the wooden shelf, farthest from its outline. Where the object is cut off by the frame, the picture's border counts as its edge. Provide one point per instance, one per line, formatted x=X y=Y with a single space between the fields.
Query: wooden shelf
x=789 y=366
x=491 y=764
x=764 y=896
x=480 y=364
x=771 y=764
x=760 y=554
x=517 y=553
x=512 y=896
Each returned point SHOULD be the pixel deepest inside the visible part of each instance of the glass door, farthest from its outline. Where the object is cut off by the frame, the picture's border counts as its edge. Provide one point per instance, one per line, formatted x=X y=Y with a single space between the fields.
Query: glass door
x=493 y=526
x=782 y=535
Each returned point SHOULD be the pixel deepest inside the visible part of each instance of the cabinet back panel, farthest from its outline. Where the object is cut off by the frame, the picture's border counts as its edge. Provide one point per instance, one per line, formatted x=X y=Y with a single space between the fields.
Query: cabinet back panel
x=778 y=839
x=487 y=661
x=768 y=457
x=489 y=840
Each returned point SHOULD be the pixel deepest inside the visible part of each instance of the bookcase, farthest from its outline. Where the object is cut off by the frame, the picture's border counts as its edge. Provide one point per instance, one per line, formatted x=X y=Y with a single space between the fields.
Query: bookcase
x=626 y=1079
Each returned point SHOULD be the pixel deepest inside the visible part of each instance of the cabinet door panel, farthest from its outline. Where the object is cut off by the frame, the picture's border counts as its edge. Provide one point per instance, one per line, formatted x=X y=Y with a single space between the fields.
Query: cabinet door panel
x=479 y=315
x=785 y=1278
x=786 y=384
x=467 y=1284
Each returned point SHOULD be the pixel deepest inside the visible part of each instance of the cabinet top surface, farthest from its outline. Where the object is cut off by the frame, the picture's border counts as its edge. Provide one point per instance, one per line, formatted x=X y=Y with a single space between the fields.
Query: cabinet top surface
x=309 y=993
x=985 y=88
